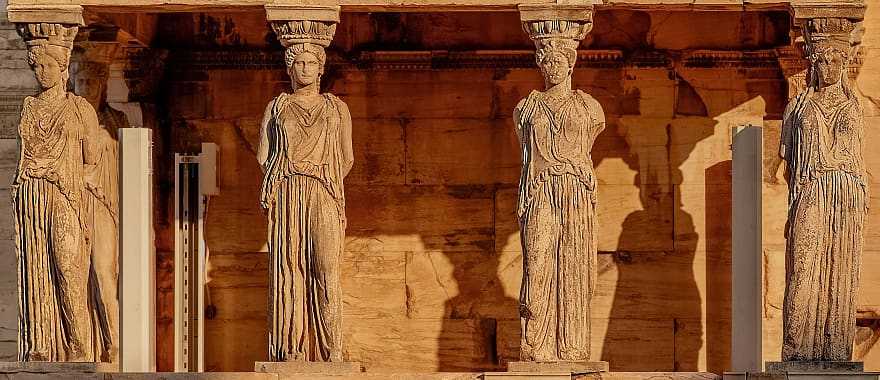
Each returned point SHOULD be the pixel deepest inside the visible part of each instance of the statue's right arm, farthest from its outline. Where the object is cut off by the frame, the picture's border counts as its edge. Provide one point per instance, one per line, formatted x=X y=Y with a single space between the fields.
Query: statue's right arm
x=785 y=139
x=517 y=113
x=263 y=148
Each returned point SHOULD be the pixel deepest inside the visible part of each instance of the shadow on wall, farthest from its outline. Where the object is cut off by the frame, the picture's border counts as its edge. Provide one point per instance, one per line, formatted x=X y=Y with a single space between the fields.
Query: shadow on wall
x=432 y=264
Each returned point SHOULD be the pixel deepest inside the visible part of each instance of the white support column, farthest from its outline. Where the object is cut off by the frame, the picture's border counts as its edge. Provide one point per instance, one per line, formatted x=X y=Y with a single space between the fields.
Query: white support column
x=137 y=258
x=745 y=354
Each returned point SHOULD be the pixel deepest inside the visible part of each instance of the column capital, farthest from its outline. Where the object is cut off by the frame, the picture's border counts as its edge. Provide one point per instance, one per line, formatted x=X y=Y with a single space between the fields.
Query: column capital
x=298 y=23
x=567 y=24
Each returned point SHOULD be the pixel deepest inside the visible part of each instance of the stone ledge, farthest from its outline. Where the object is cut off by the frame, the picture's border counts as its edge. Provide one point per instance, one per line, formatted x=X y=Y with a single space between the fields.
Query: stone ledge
x=49 y=367
x=815 y=366
x=300 y=367
x=558 y=367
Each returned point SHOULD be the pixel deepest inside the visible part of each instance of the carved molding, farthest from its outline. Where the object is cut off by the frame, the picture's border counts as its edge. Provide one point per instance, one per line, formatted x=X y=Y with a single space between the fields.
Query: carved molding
x=481 y=59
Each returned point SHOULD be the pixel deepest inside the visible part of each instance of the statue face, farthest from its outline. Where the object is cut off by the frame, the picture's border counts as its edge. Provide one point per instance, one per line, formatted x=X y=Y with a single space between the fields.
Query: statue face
x=555 y=68
x=47 y=70
x=829 y=65
x=306 y=69
x=90 y=88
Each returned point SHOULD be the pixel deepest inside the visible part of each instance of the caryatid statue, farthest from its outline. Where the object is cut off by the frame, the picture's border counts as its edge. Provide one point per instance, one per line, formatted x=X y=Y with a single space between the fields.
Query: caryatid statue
x=557 y=192
x=91 y=73
x=823 y=131
x=49 y=198
x=305 y=151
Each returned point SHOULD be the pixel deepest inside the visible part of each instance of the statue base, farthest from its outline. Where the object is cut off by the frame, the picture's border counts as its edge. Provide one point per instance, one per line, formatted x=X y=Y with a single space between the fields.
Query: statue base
x=569 y=367
x=300 y=367
x=57 y=367
x=814 y=366
x=807 y=370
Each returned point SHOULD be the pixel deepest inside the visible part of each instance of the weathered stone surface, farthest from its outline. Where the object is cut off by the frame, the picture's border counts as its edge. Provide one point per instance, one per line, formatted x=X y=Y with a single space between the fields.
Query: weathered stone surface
x=300 y=367
x=657 y=375
x=814 y=366
x=629 y=219
x=820 y=325
x=612 y=341
x=565 y=366
x=452 y=152
x=48 y=367
x=549 y=375
x=446 y=218
x=419 y=345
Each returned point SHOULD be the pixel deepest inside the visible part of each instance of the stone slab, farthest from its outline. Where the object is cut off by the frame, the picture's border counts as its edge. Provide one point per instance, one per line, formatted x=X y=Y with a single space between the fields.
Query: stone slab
x=653 y=376
x=191 y=376
x=801 y=376
x=526 y=376
x=49 y=367
x=391 y=376
x=297 y=367
x=815 y=366
x=563 y=366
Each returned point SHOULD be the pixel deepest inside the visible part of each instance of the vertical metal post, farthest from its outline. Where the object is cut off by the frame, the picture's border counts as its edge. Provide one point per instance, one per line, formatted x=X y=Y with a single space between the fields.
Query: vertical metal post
x=746 y=354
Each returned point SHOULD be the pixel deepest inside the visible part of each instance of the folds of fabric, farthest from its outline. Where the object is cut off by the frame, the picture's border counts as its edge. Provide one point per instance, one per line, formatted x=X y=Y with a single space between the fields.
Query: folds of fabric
x=824 y=257
x=559 y=238
x=53 y=266
x=305 y=244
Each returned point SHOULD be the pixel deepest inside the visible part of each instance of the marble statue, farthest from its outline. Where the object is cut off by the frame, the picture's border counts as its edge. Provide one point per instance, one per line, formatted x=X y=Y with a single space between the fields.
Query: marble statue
x=557 y=200
x=305 y=151
x=49 y=201
x=822 y=138
x=102 y=195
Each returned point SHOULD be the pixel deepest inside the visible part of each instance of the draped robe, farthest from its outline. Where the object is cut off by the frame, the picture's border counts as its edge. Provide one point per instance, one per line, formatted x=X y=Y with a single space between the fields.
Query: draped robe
x=557 y=216
x=51 y=235
x=303 y=193
x=828 y=200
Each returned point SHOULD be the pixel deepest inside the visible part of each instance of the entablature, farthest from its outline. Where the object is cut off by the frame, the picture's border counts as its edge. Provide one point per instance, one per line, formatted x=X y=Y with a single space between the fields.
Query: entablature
x=439 y=5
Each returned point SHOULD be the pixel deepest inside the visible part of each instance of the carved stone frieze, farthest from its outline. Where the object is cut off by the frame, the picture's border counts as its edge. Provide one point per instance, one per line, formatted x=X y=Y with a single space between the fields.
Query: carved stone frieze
x=502 y=59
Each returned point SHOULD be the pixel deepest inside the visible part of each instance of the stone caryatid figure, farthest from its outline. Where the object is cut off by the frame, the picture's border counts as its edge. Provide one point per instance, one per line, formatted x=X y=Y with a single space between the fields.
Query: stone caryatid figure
x=92 y=71
x=557 y=193
x=51 y=229
x=822 y=139
x=305 y=151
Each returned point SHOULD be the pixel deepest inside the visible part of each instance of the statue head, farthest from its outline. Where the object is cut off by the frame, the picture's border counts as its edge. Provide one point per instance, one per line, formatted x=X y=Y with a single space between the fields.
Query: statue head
x=305 y=63
x=50 y=64
x=556 y=39
x=556 y=59
x=829 y=64
x=829 y=45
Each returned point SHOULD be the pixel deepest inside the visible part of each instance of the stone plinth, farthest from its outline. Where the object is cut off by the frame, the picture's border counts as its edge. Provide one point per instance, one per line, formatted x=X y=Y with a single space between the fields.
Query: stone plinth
x=50 y=367
x=552 y=367
x=802 y=376
x=526 y=375
x=301 y=367
x=815 y=366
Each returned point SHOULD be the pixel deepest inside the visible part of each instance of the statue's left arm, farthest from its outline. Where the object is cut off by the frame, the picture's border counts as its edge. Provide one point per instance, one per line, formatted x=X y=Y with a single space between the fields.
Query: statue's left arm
x=91 y=128
x=598 y=115
x=345 y=138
